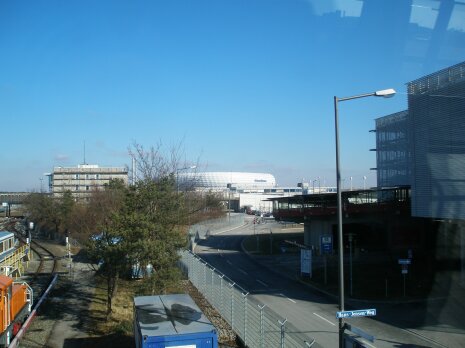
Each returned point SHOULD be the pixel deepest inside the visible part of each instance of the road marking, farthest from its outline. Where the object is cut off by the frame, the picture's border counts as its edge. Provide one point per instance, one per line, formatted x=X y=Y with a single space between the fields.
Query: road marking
x=319 y=316
x=263 y=283
x=242 y=271
x=368 y=344
x=231 y=229
x=229 y=262
x=424 y=337
x=290 y=299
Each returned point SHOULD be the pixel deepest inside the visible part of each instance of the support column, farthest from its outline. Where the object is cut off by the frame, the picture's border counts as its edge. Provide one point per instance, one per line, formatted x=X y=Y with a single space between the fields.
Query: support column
x=313 y=230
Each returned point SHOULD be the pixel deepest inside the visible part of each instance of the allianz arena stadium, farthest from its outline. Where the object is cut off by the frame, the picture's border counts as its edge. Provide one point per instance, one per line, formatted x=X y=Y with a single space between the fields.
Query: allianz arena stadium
x=219 y=181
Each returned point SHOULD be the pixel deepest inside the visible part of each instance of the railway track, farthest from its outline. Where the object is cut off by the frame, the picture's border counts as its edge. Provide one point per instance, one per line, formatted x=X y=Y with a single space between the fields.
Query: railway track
x=47 y=260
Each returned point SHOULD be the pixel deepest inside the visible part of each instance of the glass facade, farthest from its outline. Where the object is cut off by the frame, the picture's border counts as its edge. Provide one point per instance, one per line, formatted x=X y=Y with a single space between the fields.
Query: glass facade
x=392 y=145
x=220 y=181
x=424 y=146
x=436 y=120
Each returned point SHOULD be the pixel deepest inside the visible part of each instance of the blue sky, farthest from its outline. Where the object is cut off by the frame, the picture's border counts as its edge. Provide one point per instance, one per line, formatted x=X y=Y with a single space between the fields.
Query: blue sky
x=245 y=85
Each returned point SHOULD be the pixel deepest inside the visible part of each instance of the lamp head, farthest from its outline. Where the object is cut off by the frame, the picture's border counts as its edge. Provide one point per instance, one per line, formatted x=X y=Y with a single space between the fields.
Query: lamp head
x=385 y=93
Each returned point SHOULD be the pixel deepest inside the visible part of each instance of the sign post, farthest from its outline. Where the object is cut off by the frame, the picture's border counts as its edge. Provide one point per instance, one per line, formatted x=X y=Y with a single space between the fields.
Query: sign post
x=306 y=262
x=326 y=247
x=404 y=263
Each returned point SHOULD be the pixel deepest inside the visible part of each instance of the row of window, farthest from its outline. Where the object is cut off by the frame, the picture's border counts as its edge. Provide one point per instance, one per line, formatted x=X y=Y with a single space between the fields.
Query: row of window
x=6 y=245
x=280 y=190
x=87 y=188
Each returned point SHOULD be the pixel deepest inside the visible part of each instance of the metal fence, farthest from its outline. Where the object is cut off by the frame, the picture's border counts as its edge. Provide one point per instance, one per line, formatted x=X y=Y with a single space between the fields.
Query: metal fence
x=255 y=324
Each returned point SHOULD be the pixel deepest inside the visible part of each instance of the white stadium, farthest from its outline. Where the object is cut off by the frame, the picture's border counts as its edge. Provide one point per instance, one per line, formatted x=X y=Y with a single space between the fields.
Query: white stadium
x=221 y=181
x=240 y=190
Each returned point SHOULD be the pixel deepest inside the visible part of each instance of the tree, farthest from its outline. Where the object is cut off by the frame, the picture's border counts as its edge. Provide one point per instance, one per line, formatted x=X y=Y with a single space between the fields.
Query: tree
x=87 y=218
x=160 y=234
x=49 y=212
x=107 y=234
x=140 y=225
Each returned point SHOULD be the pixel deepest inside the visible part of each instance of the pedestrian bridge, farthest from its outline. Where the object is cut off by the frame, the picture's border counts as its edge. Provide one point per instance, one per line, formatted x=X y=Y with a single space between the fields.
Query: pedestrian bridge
x=301 y=208
x=13 y=264
x=374 y=215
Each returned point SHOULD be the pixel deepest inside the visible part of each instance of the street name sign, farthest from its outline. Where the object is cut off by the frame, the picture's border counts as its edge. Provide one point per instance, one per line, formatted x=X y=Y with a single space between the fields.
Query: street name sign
x=405 y=261
x=358 y=313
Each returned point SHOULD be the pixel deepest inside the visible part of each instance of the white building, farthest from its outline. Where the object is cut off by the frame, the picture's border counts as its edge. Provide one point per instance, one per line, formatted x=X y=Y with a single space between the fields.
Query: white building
x=240 y=190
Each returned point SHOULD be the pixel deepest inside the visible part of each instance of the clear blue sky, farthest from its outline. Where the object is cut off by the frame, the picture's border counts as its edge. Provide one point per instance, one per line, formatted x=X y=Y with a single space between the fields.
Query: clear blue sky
x=246 y=85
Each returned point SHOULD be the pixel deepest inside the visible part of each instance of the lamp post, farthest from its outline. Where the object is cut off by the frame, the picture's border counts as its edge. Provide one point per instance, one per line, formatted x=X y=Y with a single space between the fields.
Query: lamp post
x=383 y=93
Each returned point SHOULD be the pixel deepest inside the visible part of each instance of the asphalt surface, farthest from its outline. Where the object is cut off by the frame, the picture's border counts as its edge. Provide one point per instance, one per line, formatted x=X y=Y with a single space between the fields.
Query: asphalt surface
x=62 y=320
x=272 y=281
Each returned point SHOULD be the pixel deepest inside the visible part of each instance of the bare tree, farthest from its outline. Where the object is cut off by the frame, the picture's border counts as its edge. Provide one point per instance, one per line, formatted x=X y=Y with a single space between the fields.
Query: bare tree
x=156 y=162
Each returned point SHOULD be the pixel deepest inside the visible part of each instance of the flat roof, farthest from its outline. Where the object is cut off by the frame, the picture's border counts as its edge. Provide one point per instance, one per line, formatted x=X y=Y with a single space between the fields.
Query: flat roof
x=6 y=234
x=167 y=315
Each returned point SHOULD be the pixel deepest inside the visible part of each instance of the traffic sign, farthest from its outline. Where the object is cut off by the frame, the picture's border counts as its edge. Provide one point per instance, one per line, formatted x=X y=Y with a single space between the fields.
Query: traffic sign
x=306 y=262
x=405 y=261
x=326 y=244
x=358 y=313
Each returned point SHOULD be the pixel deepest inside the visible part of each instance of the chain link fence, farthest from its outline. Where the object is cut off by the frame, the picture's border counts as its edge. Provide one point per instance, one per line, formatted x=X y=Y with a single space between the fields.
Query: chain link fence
x=255 y=323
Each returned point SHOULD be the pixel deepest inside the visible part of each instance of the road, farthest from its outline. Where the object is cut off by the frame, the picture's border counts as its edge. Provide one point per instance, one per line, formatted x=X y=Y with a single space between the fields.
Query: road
x=309 y=310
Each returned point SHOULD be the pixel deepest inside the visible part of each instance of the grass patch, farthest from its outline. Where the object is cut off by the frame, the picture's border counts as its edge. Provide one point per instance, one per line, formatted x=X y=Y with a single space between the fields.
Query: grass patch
x=120 y=321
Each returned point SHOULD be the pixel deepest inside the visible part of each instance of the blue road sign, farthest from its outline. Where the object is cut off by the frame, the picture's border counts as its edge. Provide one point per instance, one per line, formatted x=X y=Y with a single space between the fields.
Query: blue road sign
x=405 y=261
x=326 y=244
x=359 y=313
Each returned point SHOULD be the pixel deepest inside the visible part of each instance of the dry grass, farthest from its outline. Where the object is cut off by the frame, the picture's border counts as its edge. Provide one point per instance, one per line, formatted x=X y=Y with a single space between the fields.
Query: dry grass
x=117 y=331
x=120 y=321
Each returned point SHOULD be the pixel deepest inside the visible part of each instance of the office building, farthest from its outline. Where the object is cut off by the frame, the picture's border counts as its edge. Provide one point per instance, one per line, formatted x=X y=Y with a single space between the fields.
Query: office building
x=424 y=147
x=82 y=180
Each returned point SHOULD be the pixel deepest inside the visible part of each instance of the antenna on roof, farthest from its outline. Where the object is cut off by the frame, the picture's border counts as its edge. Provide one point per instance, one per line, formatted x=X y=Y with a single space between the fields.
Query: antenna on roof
x=84 y=152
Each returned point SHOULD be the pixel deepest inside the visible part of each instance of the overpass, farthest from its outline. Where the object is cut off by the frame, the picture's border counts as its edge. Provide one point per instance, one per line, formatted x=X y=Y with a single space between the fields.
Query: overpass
x=376 y=216
x=8 y=200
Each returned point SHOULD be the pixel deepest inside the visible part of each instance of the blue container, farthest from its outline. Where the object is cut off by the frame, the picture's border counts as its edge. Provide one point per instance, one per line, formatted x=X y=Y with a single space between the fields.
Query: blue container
x=164 y=321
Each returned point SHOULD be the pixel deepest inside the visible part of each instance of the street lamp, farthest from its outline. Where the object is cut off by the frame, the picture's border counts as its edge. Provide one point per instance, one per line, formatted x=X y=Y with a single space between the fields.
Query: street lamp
x=386 y=93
